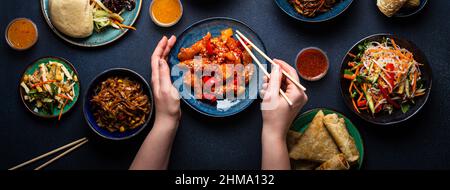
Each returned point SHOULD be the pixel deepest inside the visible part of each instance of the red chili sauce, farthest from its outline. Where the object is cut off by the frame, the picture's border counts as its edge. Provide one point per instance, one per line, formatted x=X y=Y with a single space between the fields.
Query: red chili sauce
x=311 y=63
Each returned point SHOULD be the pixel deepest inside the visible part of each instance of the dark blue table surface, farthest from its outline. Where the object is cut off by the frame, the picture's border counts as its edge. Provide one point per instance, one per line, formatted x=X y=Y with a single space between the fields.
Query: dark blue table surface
x=423 y=142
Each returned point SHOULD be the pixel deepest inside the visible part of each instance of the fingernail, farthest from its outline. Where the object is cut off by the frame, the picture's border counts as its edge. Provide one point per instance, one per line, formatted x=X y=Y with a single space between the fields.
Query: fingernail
x=161 y=62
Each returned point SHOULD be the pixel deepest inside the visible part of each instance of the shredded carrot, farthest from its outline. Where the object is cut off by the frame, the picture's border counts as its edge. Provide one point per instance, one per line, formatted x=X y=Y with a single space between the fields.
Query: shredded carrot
x=350 y=77
x=420 y=94
x=360 y=97
x=357 y=90
x=42 y=83
x=63 y=96
x=354 y=106
x=62 y=109
x=357 y=70
x=351 y=55
x=124 y=26
x=350 y=88
x=414 y=83
x=394 y=44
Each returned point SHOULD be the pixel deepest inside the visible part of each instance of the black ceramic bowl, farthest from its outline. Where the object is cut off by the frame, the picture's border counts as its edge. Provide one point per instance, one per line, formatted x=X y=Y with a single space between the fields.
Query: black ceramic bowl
x=397 y=116
x=88 y=108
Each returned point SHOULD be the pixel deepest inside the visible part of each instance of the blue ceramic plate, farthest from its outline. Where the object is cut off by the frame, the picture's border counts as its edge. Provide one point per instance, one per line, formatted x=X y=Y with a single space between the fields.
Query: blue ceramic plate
x=104 y=37
x=196 y=32
x=87 y=107
x=337 y=10
x=404 y=12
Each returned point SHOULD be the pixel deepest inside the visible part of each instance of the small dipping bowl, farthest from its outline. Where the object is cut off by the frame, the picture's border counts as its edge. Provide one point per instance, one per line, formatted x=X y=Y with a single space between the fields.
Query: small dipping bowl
x=165 y=8
x=312 y=64
x=21 y=34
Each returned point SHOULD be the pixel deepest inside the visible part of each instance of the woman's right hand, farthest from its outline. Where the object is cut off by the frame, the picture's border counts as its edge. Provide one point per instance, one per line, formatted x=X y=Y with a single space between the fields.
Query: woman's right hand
x=167 y=98
x=277 y=113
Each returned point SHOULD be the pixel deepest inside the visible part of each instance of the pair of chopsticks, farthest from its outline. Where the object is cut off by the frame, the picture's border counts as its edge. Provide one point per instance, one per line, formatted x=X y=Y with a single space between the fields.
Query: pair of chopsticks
x=74 y=145
x=239 y=36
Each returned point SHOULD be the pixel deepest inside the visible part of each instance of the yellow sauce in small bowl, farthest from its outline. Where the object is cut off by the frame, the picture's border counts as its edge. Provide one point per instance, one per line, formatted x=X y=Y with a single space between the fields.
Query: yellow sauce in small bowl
x=166 y=13
x=21 y=34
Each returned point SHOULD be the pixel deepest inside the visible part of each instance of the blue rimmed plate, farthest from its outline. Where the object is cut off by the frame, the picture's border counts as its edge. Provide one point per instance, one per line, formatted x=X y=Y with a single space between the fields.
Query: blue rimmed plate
x=334 y=12
x=194 y=33
x=106 y=36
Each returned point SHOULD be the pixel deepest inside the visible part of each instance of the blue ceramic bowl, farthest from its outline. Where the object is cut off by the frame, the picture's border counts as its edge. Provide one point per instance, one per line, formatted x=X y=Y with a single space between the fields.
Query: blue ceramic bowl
x=108 y=35
x=196 y=32
x=87 y=107
x=337 y=10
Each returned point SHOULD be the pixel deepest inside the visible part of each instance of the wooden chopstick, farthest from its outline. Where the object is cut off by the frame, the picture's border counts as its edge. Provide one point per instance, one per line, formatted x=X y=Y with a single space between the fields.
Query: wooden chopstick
x=61 y=155
x=48 y=153
x=270 y=60
x=262 y=68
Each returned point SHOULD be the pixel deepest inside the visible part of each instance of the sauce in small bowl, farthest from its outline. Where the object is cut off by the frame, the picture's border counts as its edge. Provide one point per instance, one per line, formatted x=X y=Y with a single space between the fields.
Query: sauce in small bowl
x=312 y=64
x=166 y=13
x=21 y=34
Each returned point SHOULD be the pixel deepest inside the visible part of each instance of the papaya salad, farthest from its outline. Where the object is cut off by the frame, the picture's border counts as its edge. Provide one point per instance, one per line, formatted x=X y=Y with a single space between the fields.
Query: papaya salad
x=383 y=77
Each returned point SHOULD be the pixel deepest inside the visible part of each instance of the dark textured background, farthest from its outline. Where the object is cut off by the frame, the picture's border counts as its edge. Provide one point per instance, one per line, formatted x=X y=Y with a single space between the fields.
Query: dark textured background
x=423 y=142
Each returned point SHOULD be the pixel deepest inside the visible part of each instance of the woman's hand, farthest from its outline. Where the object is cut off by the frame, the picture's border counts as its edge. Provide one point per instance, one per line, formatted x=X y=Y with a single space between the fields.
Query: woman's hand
x=278 y=115
x=155 y=150
x=167 y=99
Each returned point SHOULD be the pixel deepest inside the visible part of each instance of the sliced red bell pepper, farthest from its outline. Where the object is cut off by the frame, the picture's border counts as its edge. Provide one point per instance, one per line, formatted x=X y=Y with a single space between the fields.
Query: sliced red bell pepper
x=391 y=75
x=378 y=109
x=209 y=47
x=362 y=103
x=210 y=81
x=385 y=94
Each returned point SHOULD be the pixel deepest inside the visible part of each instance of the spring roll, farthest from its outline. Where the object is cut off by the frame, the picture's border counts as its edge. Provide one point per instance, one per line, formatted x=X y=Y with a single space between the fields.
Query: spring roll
x=292 y=138
x=303 y=165
x=338 y=162
x=315 y=144
x=336 y=127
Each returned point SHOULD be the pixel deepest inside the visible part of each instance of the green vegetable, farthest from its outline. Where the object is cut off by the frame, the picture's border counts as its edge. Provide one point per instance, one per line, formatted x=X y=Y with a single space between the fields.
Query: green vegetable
x=370 y=101
x=401 y=88
x=360 y=78
x=405 y=107
x=101 y=19
x=371 y=105
x=54 y=88
x=407 y=88
x=374 y=78
x=348 y=72
x=361 y=49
